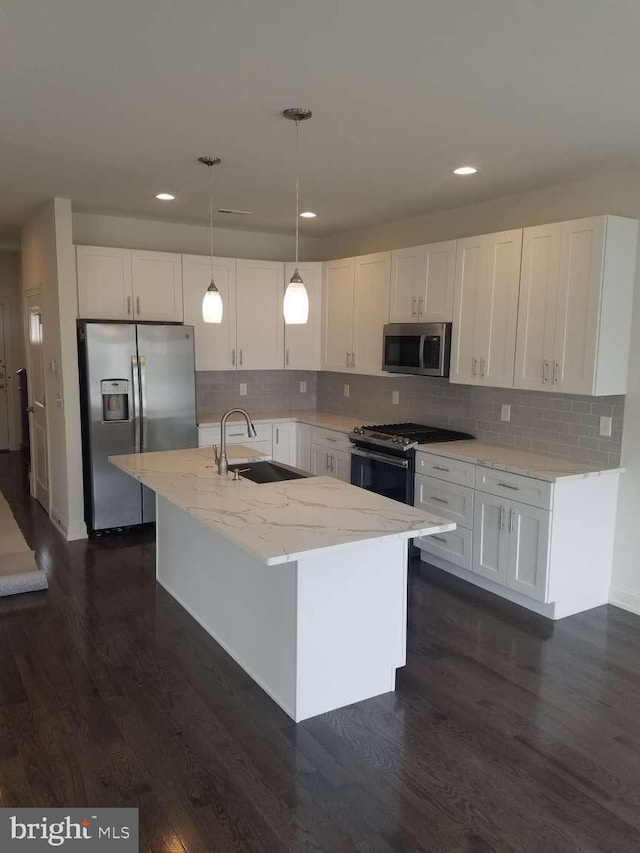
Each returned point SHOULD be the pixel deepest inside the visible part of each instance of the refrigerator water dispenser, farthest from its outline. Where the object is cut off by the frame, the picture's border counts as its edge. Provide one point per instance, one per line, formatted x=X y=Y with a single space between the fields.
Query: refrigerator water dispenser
x=115 y=400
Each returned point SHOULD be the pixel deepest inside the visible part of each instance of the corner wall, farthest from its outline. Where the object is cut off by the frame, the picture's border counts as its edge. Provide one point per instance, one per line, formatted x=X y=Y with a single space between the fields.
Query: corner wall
x=10 y=297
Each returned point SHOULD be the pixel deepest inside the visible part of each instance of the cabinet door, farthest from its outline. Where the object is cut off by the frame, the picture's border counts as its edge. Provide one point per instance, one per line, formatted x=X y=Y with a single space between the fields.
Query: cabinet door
x=259 y=318
x=490 y=545
x=284 y=443
x=408 y=277
x=303 y=343
x=497 y=308
x=338 y=314
x=157 y=286
x=537 y=306
x=215 y=343
x=104 y=283
x=527 y=564
x=303 y=447
x=320 y=465
x=470 y=270
x=578 y=306
x=435 y=298
x=340 y=464
x=371 y=311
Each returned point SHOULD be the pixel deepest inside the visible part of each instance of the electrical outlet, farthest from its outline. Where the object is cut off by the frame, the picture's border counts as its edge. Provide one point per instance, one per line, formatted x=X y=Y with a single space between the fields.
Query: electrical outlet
x=303 y=387
x=505 y=412
x=605 y=427
x=395 y=397
x=243 y=389
x=346 y=390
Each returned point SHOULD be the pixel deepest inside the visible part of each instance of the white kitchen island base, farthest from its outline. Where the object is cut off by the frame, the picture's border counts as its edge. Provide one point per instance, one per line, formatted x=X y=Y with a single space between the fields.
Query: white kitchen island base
x=316 y=634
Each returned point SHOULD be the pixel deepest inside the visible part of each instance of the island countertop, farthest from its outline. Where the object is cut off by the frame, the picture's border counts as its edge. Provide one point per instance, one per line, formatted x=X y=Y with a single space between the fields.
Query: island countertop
x=277 y=522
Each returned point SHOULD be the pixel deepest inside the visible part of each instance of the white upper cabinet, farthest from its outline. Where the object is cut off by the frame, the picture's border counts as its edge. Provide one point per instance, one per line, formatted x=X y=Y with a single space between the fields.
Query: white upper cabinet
x=422 y=282
x=303 y=342
x=259 y=317
x=339 y=285
x=371 y=311
x=574 y=320
x=487 y=282
x=215 y=343
x=157 y=286
x=121 y=284
x=104 y=283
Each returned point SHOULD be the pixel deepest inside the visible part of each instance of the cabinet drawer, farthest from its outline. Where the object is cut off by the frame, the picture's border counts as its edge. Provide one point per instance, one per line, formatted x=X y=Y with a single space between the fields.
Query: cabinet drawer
x=454 y=546
x=236 y=434
x=446 y=499
x=451 y=470
x=515 y=487
x=330 y=438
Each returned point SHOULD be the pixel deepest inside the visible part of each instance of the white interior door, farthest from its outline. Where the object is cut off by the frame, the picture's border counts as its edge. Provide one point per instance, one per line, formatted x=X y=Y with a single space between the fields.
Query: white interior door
x=37 y=404
x=4 y=400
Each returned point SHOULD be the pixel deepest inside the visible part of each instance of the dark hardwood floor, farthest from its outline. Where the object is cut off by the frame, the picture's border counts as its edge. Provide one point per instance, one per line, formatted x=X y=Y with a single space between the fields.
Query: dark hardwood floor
x=506 y=732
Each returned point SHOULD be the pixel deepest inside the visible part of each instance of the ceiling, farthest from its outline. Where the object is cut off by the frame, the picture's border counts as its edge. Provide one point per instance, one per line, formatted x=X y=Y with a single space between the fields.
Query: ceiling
x=109 y=103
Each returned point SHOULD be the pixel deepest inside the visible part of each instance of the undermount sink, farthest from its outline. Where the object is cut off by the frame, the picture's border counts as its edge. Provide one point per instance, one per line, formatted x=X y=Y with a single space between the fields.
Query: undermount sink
x=267 y=472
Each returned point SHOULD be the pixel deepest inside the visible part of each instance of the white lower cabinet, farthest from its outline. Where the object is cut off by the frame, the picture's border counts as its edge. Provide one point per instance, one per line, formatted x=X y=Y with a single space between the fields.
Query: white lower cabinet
x=489 y=543
x=284 y=443
x=330 y=456
x=303 y=447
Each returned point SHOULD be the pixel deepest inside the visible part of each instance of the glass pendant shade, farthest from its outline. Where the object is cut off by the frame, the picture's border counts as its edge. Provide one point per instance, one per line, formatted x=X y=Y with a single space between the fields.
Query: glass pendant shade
x=296 y=301
x=212 y=305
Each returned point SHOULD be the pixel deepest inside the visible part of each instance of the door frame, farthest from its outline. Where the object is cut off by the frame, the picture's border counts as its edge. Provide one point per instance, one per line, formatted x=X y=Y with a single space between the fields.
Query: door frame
x=27 y=294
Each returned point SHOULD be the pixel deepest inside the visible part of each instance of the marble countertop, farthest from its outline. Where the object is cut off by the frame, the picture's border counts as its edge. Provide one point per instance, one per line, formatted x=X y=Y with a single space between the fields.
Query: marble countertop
x=539 y=466
x=314 y=417
x=277 y=522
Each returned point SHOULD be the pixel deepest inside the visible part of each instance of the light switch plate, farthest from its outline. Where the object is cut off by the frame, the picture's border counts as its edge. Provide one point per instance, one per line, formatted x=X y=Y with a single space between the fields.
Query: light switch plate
x=605 y=426
x=346 y=390
x=395 y=397
x=505 y=412
x=243 y=389
x=303 y=387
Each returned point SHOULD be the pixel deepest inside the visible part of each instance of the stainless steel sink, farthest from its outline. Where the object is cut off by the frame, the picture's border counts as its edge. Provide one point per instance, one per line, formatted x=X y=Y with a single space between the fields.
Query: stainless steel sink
x=267 y=472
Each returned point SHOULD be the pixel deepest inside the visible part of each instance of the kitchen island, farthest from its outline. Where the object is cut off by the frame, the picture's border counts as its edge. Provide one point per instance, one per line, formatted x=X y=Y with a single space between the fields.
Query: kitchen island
x=303 y=582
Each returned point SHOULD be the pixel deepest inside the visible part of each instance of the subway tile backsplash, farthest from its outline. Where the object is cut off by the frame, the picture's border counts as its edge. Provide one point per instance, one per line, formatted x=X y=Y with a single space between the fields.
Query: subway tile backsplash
x=218 y=390
x=560 y=424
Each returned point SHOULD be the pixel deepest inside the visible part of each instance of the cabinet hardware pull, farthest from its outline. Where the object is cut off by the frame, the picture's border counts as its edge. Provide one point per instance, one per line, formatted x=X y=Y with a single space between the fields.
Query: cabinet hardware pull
x=138 y=305
x=233 y=357
x=234 y=434
x=511 y=514
x=501 y=518
x=509 y=486
x=348 y=354
x=545 y=371
x=482 y=366
x=420 y=303
x=128 y=306
x=413 y=307
x=440 y=468
x=474 y=366
x=331 y=439
x=277 y=436
x=440 y=539
x=327 y=463
x=241 y=358
x=440 y=500
x=287 y=358
x=353 y=359
x=556 y=365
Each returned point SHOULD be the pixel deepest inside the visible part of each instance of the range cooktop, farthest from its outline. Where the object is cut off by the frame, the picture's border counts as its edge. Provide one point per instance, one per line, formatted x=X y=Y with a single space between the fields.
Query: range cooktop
x=403 y=437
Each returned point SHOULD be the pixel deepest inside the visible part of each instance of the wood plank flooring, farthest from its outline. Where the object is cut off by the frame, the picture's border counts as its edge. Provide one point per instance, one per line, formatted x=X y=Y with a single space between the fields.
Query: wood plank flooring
x=506 y=733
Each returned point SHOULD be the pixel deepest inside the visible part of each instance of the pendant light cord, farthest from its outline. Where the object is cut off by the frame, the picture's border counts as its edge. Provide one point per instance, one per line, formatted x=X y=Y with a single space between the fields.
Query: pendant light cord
x=297 y=185
x=211 y=216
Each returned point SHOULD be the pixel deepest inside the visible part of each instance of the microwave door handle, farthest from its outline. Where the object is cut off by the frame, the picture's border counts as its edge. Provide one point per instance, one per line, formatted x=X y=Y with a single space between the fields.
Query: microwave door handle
x=423 y=342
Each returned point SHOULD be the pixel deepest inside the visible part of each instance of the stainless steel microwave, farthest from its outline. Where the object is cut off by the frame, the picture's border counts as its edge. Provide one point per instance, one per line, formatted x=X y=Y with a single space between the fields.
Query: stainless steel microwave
x=421 y=348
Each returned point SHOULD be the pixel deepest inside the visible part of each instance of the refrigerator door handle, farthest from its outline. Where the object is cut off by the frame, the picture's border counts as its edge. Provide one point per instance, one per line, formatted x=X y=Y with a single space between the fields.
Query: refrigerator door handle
x=135 y=376
x=143 y=404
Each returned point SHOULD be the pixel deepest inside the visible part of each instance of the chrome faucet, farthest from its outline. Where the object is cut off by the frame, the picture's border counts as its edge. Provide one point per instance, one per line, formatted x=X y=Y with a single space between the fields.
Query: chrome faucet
x=221 y=458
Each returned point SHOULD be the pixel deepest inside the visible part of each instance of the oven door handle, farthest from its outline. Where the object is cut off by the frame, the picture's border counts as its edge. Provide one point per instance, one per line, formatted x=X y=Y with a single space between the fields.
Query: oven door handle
x=380 y=457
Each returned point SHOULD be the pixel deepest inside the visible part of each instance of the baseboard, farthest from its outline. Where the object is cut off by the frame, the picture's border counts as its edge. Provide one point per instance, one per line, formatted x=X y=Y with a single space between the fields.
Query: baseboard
x=71 y=531
x=626 y=600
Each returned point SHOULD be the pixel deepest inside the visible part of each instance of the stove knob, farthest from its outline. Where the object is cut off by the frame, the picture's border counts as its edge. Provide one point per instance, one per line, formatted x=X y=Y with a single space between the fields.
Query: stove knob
x=406 y=441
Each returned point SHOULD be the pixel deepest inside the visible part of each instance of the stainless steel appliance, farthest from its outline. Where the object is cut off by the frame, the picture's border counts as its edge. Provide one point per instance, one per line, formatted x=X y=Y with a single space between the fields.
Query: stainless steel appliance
x=137 y=394
x=383 y=456
x=420 y=348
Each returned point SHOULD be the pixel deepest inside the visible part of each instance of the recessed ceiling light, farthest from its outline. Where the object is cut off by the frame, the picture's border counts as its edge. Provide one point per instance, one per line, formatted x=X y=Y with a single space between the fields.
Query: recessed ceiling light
x=308 y=214
x=166 y=197
x=465 y=170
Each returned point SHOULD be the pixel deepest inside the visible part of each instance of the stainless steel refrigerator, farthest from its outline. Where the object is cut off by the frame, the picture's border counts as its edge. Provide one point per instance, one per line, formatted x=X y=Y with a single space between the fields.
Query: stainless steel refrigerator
x=137 y=393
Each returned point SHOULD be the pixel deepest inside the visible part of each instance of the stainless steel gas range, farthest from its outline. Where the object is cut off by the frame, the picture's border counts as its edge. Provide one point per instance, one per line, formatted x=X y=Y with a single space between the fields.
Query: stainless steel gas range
x=383 y=456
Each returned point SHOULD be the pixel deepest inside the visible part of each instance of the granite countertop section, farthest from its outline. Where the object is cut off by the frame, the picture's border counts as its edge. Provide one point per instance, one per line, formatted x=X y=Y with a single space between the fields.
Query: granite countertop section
x=277 y=522
x=314 y=417
x=539 y=466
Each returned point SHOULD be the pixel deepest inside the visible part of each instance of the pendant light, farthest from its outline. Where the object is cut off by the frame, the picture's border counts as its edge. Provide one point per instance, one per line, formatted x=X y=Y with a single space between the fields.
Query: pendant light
x=296 y=298
x=212 y=307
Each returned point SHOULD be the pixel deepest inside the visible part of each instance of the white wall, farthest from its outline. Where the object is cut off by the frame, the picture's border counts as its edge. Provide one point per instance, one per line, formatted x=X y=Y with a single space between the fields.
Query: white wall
x=48 y=263
x=91 y=229
x=10 y=297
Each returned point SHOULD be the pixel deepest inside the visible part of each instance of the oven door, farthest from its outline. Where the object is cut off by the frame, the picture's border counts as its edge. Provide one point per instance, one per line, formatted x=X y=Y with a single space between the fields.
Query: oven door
x=389 y=476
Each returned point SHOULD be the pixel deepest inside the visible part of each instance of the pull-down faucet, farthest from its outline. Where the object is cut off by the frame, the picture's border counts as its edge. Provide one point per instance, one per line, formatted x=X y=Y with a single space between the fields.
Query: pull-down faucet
x=221 y=459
